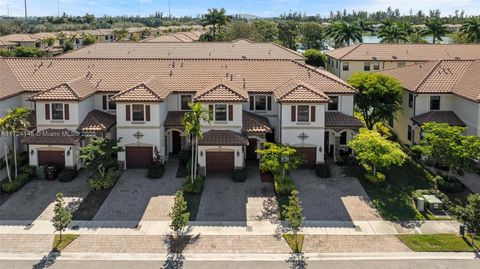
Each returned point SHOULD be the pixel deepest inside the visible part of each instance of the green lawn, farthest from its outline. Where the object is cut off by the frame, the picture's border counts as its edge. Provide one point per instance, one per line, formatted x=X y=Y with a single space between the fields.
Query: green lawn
x=436 y=242
x=394 y=197
x=66 y=240
x=91 y=204
x=295 y=243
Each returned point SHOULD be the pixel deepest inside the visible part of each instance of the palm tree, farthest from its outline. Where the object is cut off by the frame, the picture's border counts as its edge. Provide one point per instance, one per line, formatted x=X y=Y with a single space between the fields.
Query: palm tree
x=61 y=38
x=417 y=34
x=436 y=28
x=49 y=41
x=392 y=34
x=344 y=33
x=191 y=124
x=216 y=18
x=16 y=120
x=471 y=30
x=120 y=34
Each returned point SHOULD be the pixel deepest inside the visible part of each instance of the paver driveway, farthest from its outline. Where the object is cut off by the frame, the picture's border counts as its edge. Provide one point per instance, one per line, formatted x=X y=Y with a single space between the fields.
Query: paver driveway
x=337 y=198
x=136 y=197
x=36 y=199
x=225 y=200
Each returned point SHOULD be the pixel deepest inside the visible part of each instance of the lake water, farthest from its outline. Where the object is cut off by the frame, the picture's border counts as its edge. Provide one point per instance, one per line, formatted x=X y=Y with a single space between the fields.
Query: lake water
x=375 y=39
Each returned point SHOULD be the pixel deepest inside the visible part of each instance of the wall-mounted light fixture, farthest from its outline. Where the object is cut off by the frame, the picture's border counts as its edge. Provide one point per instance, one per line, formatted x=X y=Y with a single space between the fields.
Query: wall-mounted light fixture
x=238 y=153
x=32 y=152
x=319 y=149
x=69 y=151
x=201 y=153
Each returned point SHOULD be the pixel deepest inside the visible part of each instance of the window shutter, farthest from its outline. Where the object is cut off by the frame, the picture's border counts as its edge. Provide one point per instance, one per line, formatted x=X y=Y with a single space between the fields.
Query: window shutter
x=252 y=102
x=147 y=112
x=47 y=111
x=104 y=102
x=294 y=113
x=127 y=112
x=269 y=103
x=230 y=112
x=210 y=111
x=66 y=111
x=312 y=113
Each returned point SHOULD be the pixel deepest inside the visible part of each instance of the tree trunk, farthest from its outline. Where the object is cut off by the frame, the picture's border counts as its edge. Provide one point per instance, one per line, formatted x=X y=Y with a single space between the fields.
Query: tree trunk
x=192 y=159
x=374 y=169
x=6 y=163
x=196 y=158
x=450 y=170
x=15 y=153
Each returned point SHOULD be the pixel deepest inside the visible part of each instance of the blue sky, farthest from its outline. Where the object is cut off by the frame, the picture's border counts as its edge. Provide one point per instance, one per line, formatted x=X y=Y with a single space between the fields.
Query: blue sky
x=263 y=8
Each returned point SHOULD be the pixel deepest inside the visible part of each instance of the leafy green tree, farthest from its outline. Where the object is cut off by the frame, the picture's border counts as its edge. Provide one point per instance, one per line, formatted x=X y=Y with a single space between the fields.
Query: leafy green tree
x=344 y=33
x=264 y=31
x=278 y=159
x=216 y=19
x=179 y=214
x=417 y=35
x=7 y=53
x=470 y=215
x=16 y=121
x=436 y=28
x=88 y=39
x=101 y=154
x=49 y=41
x=315 y=58
x=379 y=98
x=191 y=124
x=392 y=34
x=447 y=145
x=27 y=52
x=287 y=34
x=471 y=30
x=120 y=34
x=293 y=212
x=62 y=215
x=375 y=152
x=312 y=35
x=239 y=29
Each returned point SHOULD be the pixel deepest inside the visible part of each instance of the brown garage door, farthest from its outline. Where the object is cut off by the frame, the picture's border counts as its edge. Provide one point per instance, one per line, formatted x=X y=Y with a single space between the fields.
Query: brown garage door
x=139 y=157
x=309 y=156
x=56 y=158
x=220 y=162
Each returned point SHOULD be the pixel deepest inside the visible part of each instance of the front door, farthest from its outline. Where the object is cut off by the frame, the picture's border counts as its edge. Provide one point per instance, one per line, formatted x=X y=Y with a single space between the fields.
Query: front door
x=176 y=142
x=252 y=149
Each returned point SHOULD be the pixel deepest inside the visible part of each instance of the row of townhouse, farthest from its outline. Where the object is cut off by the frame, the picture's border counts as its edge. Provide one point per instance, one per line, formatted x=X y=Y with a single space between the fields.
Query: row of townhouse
x=253 y=97
x=441 y=82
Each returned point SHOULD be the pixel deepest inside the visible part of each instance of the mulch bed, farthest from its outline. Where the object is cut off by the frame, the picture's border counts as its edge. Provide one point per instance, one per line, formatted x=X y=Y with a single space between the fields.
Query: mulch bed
x=91 y=204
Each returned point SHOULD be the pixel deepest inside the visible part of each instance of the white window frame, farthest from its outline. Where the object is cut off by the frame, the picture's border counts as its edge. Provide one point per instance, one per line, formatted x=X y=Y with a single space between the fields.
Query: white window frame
x=412 y=102
x=131 y=113
x=63 y=111
x=439 y=103
x=345 y=66
x=376 y=65
x=215 y=112
x=255 y=102
x=298 y=113
x=190 y=97
x=338 y=103
x=109 y=102
x=365 y=65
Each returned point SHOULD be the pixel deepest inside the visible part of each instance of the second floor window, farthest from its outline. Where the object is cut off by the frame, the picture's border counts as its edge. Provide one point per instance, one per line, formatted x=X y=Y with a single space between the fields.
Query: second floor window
x=376 y=65
x=410 y=100
x=184 y=100
x=303 y=113
x=260 y=102
x=333 y=106
x=138 y=113
x=345 y=66
x=108 y=104
x=409 y=133
x=57 y=111
x=366 y=66
x=220 y=112
x=434 y=102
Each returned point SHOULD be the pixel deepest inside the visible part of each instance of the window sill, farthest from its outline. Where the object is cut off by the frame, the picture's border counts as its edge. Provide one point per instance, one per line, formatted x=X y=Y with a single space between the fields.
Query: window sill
x=138 y=122
x=304 y=123
x=220 y=122
x=57 y=121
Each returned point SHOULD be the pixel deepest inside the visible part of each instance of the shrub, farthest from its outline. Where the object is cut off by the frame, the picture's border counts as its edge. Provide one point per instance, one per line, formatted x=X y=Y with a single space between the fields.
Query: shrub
x=156 y=171
x=239 y=175
x=27 y=170
x=323 y=171
x=195 y=187
x=15 y=184
x=449 y=185
x=67 y=175
x=379 y=177
x=184 y=156
x=97 y=182
x=283 y=186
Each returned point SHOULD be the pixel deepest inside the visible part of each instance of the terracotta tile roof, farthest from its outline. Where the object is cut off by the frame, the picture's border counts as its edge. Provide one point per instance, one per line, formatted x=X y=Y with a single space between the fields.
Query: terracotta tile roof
x=405 y=52
x=295 y=90
x=7 y=43
x=9 y=85
x=77 y=89
x=52 y=137
x=151 y=90
x=97 y=121
x=338 y=119
x=169 y=47
x=223 y=138
x=253 y=123
x=114 y=75
x=459 y=77
x=174 y=119
x=224 y=90
x=439 y=117
x=20 y=38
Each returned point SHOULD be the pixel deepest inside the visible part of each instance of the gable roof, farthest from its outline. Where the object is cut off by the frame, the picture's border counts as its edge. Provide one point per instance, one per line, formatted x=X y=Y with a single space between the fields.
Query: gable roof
x=439 y=117
x=75 y=90
x=223 y=138
x=224 y=90
x=151 y=90
x=169 y=47
x=459 y=77
x=52 y=137
x=115 y=75
x=296 y=90
x=253 y=123
x=97 y=121
x=405 y=52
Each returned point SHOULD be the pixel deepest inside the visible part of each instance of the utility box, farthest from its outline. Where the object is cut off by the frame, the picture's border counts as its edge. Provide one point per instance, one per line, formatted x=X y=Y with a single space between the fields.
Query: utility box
x=433 y=202
x=420 y=204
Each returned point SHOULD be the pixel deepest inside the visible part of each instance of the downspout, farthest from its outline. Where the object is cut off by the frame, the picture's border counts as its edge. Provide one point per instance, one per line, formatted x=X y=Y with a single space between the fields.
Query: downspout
x=280 y=123
x=414 y=114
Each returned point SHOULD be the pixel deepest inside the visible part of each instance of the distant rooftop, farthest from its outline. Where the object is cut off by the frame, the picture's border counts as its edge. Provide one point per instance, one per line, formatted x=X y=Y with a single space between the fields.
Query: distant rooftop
x=240 y=49
x=405 y=52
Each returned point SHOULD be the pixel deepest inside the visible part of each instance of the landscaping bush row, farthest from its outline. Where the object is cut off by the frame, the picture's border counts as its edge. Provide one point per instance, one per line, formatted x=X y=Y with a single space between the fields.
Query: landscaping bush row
x=283 y=184
x=98 y=182
x=16 y=184
x=195 y=187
